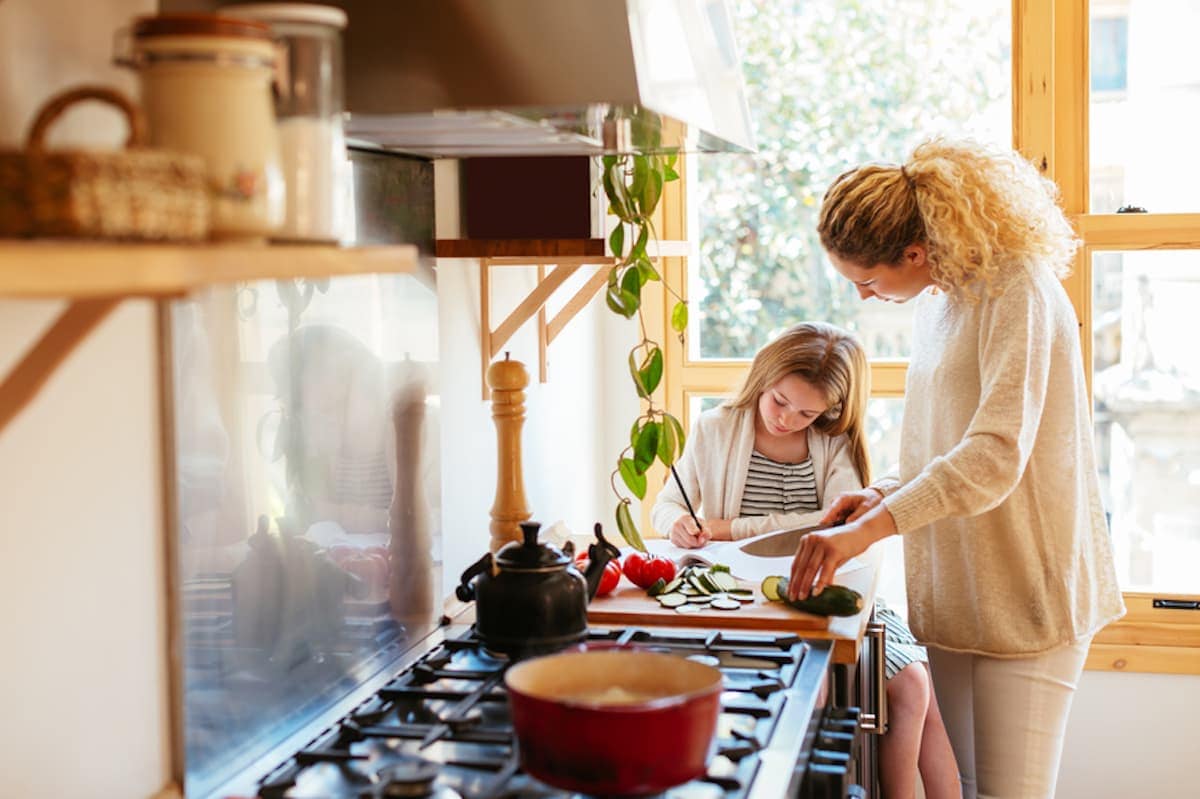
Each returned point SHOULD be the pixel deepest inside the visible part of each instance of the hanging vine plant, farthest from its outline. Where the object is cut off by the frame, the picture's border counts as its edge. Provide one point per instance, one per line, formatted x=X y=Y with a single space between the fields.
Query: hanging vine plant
x=633 y=185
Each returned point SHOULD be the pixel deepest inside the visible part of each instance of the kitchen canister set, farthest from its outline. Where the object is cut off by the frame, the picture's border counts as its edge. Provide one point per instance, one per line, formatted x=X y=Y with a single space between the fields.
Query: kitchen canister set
x=256 y=92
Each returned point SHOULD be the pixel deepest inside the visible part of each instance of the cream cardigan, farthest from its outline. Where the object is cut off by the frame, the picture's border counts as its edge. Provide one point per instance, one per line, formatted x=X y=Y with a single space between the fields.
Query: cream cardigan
x=713 y=469
x=1006 y=548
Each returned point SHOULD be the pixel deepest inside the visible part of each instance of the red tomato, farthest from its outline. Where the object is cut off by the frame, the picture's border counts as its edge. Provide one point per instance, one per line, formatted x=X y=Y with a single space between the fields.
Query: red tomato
x=658 y=568
x=644 y=568
x=610 y=577
x=634 y=563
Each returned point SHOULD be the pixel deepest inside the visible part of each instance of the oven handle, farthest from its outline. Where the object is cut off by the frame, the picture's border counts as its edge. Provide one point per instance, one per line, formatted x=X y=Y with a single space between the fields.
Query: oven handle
x=876 y=721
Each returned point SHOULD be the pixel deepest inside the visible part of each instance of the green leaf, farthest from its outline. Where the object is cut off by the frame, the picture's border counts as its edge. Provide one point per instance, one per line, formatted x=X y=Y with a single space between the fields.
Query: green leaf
x=647 y=270
x=672 y=159
x=651 y=193
x=636 y=374
x=632 y=282
x=641 y=168
x=668 y=440
x=616 y=239
x=672 y=428
x=618 y=194
x=651 y=370
x=627 y=528
x=670 y=174
x=639 y=248
x=679 y=317
x=634 y=480
x=646 y=447
x=622 y=302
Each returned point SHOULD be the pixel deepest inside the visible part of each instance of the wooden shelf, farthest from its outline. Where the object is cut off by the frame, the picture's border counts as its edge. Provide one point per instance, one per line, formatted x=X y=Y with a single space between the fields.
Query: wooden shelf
x=537 y=249
x=70 y=270
x=96 y=277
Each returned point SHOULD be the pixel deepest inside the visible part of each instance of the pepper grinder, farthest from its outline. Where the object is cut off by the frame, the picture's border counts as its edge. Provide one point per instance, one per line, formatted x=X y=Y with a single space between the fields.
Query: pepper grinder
x=507 y=380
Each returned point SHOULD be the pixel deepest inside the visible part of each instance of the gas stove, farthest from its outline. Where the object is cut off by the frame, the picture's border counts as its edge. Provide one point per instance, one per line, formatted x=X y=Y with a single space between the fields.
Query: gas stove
x=441 y=727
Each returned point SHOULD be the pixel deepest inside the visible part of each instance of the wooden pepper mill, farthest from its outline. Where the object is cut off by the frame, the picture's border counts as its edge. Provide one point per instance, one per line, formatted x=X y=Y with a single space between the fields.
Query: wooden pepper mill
x=507 y=380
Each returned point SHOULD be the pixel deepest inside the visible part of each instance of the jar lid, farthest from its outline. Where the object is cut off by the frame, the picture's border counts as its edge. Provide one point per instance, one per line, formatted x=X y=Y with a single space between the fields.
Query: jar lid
x=200 y=25
x=289 y=12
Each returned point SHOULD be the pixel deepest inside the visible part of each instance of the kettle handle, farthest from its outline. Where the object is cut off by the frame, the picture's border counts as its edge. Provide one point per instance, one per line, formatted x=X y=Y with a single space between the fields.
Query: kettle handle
x=599 y=554
x=465 y=590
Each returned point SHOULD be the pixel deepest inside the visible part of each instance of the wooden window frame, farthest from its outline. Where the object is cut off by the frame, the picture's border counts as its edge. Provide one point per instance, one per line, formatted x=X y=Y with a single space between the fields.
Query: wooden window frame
x=1051 y=84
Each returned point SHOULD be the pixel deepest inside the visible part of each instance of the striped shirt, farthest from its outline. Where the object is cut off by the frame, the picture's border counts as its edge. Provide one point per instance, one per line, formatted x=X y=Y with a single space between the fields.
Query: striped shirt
x=773 y=487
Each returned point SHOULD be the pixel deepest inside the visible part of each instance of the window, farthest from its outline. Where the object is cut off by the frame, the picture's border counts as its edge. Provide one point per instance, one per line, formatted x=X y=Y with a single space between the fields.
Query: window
x=822 y=102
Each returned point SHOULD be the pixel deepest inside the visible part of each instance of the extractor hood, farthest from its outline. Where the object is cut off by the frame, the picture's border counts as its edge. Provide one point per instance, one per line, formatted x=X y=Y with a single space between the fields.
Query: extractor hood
x=464 y=78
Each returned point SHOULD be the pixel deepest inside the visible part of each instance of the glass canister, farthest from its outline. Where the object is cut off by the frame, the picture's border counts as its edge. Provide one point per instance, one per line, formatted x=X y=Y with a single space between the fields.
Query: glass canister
x=205 y=85
x=308 y=106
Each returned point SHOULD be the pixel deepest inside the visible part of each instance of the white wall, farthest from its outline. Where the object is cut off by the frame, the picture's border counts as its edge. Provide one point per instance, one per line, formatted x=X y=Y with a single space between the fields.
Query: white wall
x=83 y=680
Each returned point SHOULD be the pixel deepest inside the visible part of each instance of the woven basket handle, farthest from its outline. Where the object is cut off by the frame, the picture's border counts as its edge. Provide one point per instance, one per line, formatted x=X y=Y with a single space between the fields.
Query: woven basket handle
x=59 y=103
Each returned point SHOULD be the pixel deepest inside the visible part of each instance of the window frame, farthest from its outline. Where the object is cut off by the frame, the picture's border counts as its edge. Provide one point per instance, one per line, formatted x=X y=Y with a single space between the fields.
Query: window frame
x=1051 y=102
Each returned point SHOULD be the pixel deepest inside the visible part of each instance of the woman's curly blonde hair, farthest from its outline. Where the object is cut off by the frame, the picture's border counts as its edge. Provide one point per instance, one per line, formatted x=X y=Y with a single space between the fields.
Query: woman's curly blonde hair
x=979 y=213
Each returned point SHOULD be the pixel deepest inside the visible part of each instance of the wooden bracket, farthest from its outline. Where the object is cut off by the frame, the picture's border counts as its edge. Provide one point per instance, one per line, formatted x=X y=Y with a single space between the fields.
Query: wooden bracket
x=492 y=341
x=72 y=326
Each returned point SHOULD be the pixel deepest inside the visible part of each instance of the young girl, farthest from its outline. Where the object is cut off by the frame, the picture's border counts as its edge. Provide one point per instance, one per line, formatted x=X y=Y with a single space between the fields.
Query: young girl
x=1009 y=563
x=792 y=438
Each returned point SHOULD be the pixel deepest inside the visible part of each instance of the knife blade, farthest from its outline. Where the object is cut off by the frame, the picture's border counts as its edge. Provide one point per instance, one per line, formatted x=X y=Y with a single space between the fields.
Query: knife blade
x=778 y=544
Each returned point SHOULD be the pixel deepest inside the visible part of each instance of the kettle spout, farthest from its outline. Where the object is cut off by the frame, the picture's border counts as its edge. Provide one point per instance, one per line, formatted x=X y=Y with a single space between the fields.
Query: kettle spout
x=599 y=554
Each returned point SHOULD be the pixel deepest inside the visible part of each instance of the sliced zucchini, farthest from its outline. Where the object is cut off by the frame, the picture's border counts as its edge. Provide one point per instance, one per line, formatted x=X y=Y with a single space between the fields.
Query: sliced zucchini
x=770 y=587
x=671 y=600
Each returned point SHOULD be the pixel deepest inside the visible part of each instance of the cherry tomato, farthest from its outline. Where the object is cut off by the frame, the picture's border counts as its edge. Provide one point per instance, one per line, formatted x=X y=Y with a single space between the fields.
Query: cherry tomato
x=644 y=568
x=610 y=577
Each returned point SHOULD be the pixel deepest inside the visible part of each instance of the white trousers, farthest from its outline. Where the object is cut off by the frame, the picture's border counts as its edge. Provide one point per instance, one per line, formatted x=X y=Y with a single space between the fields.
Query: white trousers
x=1007 y=717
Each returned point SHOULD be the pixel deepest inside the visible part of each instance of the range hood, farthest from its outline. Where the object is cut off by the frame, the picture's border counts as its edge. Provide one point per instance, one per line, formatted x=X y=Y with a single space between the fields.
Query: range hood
x=473 y=78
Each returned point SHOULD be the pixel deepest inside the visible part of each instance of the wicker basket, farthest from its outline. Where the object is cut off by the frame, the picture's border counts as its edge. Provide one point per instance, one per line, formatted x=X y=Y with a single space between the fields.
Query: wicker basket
x=136 y=193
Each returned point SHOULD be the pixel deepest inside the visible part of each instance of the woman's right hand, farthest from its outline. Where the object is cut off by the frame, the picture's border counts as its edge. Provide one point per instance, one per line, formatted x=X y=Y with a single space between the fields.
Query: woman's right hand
x=685 y=534
x=851 y=505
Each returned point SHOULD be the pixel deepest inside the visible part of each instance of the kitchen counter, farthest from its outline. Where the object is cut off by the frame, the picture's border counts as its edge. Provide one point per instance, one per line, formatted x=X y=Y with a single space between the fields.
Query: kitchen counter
x=846 y=632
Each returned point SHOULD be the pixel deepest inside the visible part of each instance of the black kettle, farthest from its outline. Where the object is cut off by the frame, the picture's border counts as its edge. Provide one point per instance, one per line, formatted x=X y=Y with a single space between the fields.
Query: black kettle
x=534 y=600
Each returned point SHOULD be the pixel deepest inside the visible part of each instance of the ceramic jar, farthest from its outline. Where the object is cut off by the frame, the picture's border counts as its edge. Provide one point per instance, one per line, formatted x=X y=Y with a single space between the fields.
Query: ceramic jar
x=206 y=89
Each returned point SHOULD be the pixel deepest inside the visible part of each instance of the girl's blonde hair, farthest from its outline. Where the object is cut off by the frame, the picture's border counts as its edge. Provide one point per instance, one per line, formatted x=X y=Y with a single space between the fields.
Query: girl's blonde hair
x=979 y=212
x=833 y=361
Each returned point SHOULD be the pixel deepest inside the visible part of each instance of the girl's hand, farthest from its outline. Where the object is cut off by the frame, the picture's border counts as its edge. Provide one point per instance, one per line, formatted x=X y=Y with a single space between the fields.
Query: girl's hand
x=850 y=506
x=685 y=533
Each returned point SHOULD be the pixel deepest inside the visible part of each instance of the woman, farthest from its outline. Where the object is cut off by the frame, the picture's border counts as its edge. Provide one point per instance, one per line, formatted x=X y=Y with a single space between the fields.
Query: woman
x=793 y=438
x=1007 y=555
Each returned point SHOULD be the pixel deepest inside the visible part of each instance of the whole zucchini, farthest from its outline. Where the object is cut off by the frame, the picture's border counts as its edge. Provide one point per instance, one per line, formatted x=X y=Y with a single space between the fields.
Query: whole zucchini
x=834 y=600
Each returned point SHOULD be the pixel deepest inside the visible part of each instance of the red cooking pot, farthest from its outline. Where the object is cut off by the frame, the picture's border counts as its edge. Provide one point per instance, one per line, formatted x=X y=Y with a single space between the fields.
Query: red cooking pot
x=614 y=722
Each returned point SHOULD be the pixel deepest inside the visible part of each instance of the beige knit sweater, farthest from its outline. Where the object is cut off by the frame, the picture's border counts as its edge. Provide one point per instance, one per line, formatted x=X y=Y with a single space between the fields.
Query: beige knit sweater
x=1006 y=547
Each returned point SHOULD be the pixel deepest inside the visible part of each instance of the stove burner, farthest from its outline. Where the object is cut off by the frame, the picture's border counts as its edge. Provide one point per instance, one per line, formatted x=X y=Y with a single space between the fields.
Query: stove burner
x=409 y=776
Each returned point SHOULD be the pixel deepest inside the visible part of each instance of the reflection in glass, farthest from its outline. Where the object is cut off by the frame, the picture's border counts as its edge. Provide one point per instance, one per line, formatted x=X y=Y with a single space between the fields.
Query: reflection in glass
x=1145 y=105
x=306 y=457
x=831 y=85
x=1146 y=382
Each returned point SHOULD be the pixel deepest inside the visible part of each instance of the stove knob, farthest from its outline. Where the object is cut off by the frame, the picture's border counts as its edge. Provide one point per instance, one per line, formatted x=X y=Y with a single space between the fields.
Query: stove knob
x=826 y=781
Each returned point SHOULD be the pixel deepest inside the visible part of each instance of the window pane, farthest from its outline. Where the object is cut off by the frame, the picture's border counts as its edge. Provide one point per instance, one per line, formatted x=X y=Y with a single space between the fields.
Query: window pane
x=831 y=85
x=1147 y=413
x=1145 y=105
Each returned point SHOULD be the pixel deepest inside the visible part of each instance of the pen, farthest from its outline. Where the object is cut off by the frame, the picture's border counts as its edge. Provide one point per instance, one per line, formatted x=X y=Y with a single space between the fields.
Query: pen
x=686 y=501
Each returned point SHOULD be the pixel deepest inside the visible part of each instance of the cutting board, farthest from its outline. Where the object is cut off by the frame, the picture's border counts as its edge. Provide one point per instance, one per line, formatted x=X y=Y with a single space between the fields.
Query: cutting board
x=630 y=606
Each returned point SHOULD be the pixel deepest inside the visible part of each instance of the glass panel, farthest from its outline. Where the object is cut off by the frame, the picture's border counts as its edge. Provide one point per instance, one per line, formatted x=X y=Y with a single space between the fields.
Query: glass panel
x=831 y=85
x=308 y=493
x=1145 y=105
x=1147 y=413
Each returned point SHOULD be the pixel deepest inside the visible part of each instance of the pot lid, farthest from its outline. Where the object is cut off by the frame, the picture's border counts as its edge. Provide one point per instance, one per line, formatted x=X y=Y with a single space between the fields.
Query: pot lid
x=529 y=555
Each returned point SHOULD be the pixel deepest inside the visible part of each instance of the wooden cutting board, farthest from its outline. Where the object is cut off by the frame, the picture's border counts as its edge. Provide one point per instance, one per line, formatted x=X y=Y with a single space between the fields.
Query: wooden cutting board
x=630 y=606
